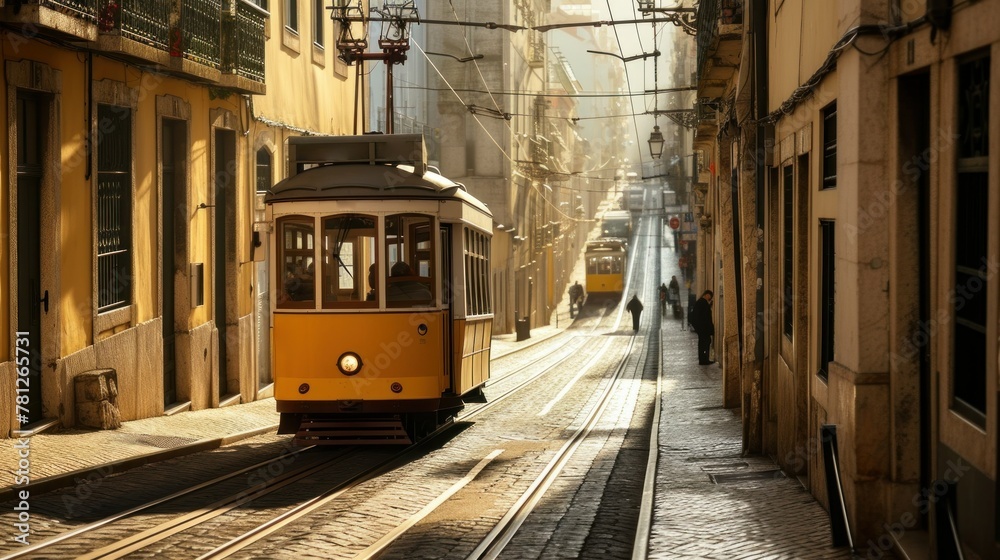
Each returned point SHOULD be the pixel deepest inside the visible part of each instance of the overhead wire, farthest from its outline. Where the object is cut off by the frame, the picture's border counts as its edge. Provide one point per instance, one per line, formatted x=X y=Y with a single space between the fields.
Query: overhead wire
x=447 y=83
x=488 y=134
x=628 y=81
x=531 y=94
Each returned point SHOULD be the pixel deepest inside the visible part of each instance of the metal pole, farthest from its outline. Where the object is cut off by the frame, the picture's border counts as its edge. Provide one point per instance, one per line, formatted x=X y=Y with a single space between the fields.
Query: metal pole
x=388 y=97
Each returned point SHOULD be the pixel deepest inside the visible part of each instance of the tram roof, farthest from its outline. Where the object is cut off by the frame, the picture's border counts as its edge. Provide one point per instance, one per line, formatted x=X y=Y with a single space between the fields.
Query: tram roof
x=606 y=244
x=364 y=181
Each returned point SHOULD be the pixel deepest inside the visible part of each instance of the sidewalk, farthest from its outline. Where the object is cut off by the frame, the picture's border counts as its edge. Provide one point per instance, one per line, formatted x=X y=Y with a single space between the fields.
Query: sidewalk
x=711 y=502
x=57 y=458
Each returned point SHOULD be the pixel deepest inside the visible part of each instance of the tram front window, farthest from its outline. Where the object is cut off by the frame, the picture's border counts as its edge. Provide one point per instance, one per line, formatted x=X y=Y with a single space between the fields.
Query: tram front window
x=348 y=254
x=296 y=280
x=410 y=252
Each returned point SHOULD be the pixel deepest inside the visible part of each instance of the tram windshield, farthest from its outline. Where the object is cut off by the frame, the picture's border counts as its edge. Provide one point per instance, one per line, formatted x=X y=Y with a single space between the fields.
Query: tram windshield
x=296 y=284
x=409 y=254
x=604 y=264
x=349 y=257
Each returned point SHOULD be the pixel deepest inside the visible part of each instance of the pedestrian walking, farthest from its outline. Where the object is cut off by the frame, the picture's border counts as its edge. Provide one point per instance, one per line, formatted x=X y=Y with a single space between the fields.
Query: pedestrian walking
x=701 y=319
x=663 y=299
x=635 y=308
x=575 y=298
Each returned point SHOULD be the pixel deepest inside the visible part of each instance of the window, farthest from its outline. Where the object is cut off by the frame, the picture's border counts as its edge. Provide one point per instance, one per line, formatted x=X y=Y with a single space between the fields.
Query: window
x=409 y=253
x=829 y=146
x=604 y=264
x=114 y=207
x=477 y=273
x=827 y=295
x=318 y=16
x=296 y=253
x=350 y=276
x=263 y=170
x=787 y=237
x=971 y=240
x=292 y=15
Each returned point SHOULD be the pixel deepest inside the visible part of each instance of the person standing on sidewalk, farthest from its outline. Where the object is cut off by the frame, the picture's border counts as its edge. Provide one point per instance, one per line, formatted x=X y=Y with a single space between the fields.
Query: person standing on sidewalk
x=635 y=308
x=701 y=320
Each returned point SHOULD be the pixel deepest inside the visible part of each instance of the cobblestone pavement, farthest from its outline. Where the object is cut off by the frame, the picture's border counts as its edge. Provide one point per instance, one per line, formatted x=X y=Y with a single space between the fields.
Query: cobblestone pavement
x=769 y=516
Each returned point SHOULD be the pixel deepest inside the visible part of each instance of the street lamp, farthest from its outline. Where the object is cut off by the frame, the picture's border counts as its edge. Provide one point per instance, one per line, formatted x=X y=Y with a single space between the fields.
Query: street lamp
x=656 y=142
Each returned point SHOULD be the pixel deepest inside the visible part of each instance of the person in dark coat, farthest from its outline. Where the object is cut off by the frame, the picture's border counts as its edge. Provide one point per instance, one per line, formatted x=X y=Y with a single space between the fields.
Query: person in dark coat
x=575 y=298
x=635 y=308
x=674 y=291
x=701 y=320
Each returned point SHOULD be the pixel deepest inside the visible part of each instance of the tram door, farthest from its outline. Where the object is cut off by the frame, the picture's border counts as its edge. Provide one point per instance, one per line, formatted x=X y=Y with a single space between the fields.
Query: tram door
x=30 y=298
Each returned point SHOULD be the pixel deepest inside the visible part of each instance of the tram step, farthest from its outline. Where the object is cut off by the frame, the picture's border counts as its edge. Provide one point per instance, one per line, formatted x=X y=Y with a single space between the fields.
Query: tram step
x=365 y=432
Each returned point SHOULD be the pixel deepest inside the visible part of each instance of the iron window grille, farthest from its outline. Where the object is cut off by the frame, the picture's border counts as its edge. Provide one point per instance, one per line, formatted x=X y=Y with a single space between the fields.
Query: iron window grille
x=969 y=303
x=829 y=146
x=114 y=207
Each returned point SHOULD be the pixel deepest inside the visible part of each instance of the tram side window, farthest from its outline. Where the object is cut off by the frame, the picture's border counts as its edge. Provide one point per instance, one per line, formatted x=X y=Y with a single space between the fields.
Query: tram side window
x=485 y=275
x=470 y=299
x=349 y=276
x=410 y=253
x=296 y=252
x=477 y=270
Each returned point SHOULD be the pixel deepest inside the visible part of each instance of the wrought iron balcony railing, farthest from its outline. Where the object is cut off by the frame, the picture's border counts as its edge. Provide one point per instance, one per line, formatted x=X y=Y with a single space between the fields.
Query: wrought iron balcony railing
x=81 y=9
x=74 y=19
x=712 y=14
x=243 y=40
x=144 y=21
x=536 y=48
x=200 y=32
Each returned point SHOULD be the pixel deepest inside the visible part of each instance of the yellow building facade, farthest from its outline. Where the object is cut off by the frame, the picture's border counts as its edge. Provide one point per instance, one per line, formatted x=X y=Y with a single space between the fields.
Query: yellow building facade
x=138 y=142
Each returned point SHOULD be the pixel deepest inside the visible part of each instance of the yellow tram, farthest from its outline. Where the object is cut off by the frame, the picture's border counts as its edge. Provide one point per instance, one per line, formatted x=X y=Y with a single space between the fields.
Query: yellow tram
x=605 y=259
x=381 y=312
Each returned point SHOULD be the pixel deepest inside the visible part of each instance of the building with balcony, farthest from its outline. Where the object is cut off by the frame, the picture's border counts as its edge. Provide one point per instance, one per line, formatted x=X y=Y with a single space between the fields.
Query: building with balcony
x=867 y=169
x=140 y=134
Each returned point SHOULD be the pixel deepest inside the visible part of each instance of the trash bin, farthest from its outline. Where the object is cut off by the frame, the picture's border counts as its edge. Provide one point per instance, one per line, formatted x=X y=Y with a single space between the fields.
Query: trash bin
x=523 y=329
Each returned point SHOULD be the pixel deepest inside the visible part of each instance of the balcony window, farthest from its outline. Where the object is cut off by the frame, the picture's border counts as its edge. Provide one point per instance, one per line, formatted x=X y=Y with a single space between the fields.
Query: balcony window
x=292 y=15
x=114 y=207
x=830 y=146
x=971 y=241
x=263 y=170
x=318 y=16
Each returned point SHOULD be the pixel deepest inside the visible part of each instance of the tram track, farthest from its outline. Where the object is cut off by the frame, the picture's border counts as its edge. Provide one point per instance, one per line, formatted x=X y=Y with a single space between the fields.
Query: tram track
x=290 y=517
x=161 y=532
x=502 y=533
x=505 y=530
x=257 y=489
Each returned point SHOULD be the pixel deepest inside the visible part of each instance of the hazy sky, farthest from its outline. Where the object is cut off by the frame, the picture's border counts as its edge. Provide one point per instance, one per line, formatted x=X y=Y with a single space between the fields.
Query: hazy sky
x=625 y=40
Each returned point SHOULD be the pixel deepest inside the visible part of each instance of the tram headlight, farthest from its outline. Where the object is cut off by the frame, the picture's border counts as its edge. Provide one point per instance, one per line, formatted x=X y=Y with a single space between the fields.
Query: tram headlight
x=349 y=363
